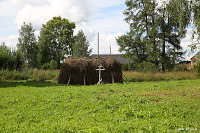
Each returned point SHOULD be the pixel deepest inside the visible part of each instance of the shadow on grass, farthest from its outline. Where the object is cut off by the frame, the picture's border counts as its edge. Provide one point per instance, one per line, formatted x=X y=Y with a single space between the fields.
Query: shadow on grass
x=4 y=84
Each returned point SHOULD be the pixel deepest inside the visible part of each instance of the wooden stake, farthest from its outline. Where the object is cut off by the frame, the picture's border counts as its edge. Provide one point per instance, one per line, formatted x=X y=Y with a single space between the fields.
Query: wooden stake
x=84 y=79
x=113 y=80
x=69 y=79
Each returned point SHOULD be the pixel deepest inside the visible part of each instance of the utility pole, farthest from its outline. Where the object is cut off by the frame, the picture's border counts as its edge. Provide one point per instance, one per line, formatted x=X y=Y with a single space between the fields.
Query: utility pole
x=110 y=51
x=98 y=44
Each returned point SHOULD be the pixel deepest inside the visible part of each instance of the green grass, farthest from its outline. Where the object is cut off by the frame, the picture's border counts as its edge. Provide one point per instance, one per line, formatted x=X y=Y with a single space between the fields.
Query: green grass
x=30 y=106
x=134 y=76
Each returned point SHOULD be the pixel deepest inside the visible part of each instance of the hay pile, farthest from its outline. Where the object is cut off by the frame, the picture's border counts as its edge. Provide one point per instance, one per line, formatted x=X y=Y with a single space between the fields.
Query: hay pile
x=83 y=71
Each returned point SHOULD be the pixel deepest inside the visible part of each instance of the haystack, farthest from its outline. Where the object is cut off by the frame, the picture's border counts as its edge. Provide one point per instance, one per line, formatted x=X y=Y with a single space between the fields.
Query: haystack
x=83 y=71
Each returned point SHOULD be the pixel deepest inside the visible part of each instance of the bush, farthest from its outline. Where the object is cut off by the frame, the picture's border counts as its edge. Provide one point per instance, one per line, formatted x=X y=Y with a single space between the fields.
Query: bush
x=45 y=66
x=147 y=67
x=125 y=67
x=197 y=67
x=181 y=67
x=29 y=74
x=15 y=75
x=12 y=60
x=53 y=65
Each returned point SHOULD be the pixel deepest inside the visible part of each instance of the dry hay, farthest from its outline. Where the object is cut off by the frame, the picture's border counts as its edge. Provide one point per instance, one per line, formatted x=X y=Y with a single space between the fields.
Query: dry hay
x=83 y=71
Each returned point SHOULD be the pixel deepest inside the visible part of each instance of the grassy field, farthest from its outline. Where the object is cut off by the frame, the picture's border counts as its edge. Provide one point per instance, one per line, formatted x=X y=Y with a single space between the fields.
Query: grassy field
x=30 y=106
x=134 y=76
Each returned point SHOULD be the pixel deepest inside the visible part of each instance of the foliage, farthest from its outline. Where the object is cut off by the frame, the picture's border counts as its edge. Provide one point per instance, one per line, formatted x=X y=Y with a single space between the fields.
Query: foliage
x=5 y=56
x=29 y=74
x=53 y=65
x=43 y=75
x=128 y=66
x=181 y=67
x=10 y=59
x=27 y=44
x=14 y=75
x=155 y=31
x=134 y=107
x=55 y=41
x=125 y=67
x=81 y=46
x=195 y=9
x=146 y=67
x=45 y=66
x=197 y=67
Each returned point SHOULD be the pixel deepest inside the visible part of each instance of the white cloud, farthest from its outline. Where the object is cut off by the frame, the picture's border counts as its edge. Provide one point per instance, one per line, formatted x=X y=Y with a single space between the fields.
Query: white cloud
x=105 y=41
x=95 y=5
x=39 y=12
x=87 y=29
x=10 y=41
x=74 y=10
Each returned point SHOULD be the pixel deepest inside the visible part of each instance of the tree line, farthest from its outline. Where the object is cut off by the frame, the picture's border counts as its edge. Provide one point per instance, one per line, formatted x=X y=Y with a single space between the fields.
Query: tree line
x=55 y=43
x=156 y=31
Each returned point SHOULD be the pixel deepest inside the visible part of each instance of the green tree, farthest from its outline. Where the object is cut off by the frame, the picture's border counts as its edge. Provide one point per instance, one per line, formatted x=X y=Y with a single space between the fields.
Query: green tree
x=173 y=19
x=27 y=44
x=133 y=46
x=55 y=41
x=10 y=59
x=18 y=59
x=155 y=30
x=5 y=56
x=141 y=16
x=81 y=46
x=195 y=10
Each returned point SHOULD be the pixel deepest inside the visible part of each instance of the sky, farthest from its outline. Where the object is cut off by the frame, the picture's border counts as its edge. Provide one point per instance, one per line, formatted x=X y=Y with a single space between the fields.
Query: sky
x=91 y=16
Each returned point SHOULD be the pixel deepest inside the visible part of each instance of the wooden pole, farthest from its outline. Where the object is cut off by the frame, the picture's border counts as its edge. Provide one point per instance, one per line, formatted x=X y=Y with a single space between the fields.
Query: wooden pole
x=98 y=44
x=110 y=51
x=69 y=79
x=84 y=79
x=113 y=80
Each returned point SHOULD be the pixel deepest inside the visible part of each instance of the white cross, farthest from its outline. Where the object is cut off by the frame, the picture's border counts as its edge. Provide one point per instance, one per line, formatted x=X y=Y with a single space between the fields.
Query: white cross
x=100 y=68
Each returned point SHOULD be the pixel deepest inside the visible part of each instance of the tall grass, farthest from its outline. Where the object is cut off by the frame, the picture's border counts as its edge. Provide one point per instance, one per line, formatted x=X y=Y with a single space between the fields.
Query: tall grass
x=132 y=76
x=29 y=74
x=139 y=77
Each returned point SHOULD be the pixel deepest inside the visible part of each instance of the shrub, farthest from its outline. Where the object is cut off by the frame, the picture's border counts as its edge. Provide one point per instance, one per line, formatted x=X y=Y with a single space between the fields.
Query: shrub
x=42 y=75
x=197 y=67
x=146 y=67
x=53 y=65
x=125 y=67
x=29 y=74
x=181 y=67
x=15 y=75
x=10 y=59
x=45 y=66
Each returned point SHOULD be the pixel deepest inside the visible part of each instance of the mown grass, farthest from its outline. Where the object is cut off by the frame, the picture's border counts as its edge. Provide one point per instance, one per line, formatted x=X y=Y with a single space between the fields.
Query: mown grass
x=30 y=106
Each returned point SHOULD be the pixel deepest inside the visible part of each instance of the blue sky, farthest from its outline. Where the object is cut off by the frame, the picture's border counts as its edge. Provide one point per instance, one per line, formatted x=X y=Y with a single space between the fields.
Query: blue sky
x=92 y=16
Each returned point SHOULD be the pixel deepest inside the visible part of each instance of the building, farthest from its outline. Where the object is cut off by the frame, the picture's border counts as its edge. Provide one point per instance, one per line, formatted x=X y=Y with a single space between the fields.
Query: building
x=194 y=60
